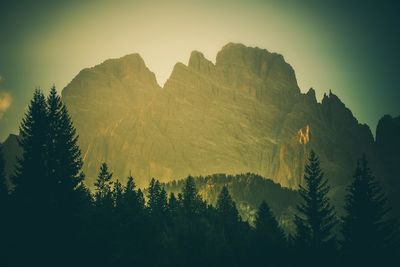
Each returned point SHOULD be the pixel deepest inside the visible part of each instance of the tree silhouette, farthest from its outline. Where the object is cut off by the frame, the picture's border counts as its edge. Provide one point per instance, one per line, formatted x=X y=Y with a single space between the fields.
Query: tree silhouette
x=315 y=218
x=368 y=235
x=64 y=156
x=52 y=217
x=3 y=181
x=228 y=227
x=102 y=229
x=33 y=196
x=103 y=188
x=31 y=179
x=267 y=227
x=226 y=207
x=269 y=237
x=4 y=210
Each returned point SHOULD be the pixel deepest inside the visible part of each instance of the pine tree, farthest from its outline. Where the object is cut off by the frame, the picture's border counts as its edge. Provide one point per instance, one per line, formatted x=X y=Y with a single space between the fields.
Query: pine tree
x=316 y=217
x=33 y=196
x=103 y=188
x=192 y=203
x=267 y=227
x=118 y=194
x=4 y=205
x=3 y=181
x=158 y=204
x=173 y=205
x=191 y=225
x=269 y=237
x=226 y=207
x=367 y=231
x=64 y=156
x=103 y=227
x=31 y=179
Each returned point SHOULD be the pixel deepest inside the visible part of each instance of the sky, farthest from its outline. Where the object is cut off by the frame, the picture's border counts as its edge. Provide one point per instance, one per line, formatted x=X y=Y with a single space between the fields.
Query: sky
x=349 y=47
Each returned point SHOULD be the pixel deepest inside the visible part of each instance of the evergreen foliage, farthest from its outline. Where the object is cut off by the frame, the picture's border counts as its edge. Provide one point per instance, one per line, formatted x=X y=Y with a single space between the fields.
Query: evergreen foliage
x=315 y=218
x=368 y=233
x=52 y=218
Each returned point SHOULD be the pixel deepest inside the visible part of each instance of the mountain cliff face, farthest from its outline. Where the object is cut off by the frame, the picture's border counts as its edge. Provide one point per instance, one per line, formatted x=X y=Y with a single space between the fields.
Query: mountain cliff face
x=245 y=113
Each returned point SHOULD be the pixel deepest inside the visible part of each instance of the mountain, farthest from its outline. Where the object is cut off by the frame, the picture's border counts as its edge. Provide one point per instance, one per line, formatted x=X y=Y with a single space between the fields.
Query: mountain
x=245 y=113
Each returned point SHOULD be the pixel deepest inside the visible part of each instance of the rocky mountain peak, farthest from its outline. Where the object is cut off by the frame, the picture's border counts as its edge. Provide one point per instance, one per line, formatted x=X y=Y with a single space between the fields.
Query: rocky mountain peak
x=311 y=95
x=267 y=73
x=199 y=63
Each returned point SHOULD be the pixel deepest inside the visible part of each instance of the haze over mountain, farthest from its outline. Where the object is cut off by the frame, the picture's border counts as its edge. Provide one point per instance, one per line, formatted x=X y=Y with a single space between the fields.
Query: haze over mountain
x=245 y=113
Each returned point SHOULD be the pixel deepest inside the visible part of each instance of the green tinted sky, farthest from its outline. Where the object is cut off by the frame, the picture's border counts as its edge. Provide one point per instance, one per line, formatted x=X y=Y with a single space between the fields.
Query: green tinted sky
x=350 y=48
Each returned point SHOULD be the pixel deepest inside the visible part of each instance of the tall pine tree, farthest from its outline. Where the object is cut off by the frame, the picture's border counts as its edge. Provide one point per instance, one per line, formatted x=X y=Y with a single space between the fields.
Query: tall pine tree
x=368 y=235
x=64 y=156
x=31 y=179
x=4 y=215
x=315 y=218
x=3 y=181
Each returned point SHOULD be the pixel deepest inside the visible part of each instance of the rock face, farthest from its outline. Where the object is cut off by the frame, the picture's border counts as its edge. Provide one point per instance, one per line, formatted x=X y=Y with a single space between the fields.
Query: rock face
x=245 y=113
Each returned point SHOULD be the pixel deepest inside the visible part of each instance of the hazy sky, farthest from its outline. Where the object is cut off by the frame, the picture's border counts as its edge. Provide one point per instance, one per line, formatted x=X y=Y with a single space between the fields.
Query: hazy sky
x=350 y=48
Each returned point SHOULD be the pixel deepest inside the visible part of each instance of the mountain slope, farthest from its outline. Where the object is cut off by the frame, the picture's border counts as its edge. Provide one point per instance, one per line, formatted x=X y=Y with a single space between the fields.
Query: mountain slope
x=245 y=113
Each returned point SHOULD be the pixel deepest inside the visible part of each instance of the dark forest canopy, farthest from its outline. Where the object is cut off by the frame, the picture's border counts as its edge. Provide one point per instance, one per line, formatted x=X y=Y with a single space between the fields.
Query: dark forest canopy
x=51 y=218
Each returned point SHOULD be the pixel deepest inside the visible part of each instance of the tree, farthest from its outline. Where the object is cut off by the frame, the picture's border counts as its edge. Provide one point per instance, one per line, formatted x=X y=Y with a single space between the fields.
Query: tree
x=4 y=210
x=158 y=204
x=367 y=233
x=226 y=207
x=64 y=156
x=102 y=228
x=269 y=237
x=192 y=203
x=316 y=218
x=267 y=227
x=192 y=235
x=3 y=181
x=228 y=230
x=31 y=179
x=173 y=205
x=103 y=194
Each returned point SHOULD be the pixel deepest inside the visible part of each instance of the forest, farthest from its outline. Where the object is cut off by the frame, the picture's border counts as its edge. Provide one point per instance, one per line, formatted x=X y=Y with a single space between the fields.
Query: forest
x=50 y=217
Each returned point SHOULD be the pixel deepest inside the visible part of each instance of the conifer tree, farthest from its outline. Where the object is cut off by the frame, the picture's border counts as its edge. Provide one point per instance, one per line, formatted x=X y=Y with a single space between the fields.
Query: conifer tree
x=267 y=227
x=315 y=216
x=367 y=231
x=118 y=194
x=226 y=207
x=31 y=179
x=192 y=203
x=3 y=181
x=33 y=196
x=158 y=204
x=102 y=230
x=64 y=156
x=103 y=188
x=173 y=205
x=4 y=201
x=269 y=237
